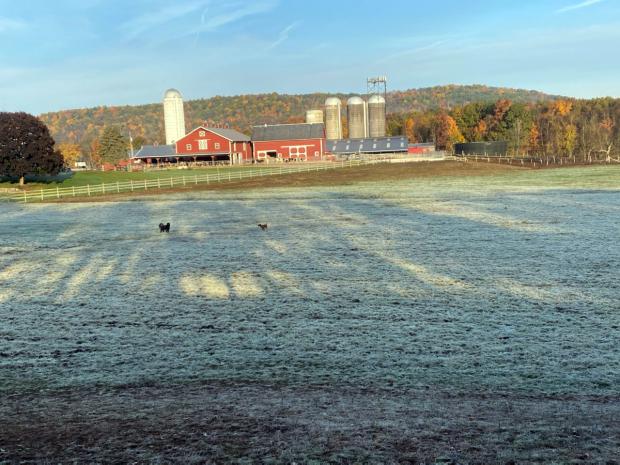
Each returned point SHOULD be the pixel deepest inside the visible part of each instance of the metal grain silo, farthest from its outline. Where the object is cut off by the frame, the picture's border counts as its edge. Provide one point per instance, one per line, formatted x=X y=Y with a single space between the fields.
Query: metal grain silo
x=356 y=117
x=376 y=116
x=314 y=116
x=333 y=122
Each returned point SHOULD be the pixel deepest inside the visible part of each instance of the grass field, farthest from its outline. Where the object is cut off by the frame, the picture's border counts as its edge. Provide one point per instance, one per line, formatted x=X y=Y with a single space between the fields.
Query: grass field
x=468 y=318
x=82 y=178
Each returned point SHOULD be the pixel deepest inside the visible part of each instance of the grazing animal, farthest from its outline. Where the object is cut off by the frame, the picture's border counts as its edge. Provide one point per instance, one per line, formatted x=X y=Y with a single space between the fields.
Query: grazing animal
x=263 y=226
x=164 y=227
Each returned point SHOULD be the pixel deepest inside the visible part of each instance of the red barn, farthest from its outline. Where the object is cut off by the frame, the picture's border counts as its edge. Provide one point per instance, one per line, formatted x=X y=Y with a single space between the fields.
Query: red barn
x=215 y=144
x=289 y=142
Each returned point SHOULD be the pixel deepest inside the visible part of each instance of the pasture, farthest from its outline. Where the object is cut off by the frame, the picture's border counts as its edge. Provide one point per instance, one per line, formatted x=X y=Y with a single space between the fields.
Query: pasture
x=83 y=178
x=466 y=319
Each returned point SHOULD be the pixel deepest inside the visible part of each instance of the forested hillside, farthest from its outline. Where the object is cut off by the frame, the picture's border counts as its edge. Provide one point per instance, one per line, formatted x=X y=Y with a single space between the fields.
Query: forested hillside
x=85 y=126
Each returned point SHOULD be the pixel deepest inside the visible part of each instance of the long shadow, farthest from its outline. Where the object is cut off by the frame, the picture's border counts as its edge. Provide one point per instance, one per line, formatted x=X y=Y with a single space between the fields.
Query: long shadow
x=339 y=290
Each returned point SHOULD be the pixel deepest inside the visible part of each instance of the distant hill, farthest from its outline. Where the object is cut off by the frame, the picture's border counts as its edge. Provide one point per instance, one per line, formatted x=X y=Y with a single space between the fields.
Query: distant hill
x=240 y=112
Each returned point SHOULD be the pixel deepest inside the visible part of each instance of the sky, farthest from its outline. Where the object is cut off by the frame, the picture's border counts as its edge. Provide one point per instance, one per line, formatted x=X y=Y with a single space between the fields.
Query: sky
x=65 y=54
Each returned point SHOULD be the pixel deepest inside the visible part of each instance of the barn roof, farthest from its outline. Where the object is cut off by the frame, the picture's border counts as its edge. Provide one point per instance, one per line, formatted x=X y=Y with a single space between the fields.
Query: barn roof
x=369 y=145
x=153 y=151
x=230 y=134
x=288 y=131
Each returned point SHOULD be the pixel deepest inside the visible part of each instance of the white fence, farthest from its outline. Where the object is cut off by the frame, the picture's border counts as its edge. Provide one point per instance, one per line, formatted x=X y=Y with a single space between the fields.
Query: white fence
x=176 y=181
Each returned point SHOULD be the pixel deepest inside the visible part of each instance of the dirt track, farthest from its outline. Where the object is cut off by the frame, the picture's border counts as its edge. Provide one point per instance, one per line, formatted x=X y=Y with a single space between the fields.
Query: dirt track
x=217 y=423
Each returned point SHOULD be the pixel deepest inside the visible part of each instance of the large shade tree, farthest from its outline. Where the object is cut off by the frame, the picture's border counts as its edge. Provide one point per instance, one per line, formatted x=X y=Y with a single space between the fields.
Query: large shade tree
x=113 y=145
x=26 y=147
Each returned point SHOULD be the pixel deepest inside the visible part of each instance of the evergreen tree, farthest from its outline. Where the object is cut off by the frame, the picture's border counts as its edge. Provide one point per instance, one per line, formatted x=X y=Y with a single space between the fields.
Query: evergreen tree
x=26 y=147
x=112 y=145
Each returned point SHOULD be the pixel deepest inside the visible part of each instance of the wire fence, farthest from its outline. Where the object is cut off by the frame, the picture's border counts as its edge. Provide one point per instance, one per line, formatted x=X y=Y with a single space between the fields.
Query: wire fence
x=58 y=193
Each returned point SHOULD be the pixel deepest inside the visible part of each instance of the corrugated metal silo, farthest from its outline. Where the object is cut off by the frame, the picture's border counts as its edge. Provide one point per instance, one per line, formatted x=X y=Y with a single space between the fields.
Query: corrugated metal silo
x=376 y=116
x=356 y=117
x=314 y=116
x=333 y=123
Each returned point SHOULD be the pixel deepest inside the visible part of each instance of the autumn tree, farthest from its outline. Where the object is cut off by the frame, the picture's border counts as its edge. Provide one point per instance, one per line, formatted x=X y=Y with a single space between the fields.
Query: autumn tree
x=446 y=132
x=534 y=140
x=26 y=147
x=70 y=153
x=94 y=153
x=409 y=130
x=113 y=145
x=394 y=124
x=138 y=142
x=470 y=119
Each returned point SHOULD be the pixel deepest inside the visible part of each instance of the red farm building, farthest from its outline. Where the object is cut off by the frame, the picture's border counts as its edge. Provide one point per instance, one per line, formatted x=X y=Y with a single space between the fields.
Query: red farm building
x=289 y=142
x=201 y=145
x=215 y=144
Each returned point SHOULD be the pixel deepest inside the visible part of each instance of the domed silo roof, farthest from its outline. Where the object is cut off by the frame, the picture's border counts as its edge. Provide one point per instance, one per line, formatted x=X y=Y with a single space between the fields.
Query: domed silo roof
x=376 y=99
x=170 y=93
x=355 y=100
x=332 y=101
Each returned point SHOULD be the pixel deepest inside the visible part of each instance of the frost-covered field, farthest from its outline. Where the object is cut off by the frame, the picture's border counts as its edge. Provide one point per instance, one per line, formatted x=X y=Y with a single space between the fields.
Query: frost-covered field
x=498 y=284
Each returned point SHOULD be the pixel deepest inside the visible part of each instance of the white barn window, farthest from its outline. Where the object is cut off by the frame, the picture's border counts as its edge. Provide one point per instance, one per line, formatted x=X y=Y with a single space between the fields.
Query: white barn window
x=203 y=144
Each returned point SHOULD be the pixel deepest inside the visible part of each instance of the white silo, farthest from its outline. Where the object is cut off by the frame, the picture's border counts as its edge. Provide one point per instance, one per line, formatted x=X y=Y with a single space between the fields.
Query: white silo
x=356 y=118
x=376 y=116
x=174 y=118
x=333 y=122
x=314 y=116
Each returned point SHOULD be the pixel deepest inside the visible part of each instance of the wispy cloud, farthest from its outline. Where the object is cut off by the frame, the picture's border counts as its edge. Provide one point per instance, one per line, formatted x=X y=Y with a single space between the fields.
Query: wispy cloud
x=578 y=6
x=222 y=18
x=283 y=36
x=8 y=24
x=143 y=23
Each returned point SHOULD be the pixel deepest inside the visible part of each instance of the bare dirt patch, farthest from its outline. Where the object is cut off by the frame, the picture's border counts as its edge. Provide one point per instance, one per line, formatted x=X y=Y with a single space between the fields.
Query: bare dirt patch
x=241 y=423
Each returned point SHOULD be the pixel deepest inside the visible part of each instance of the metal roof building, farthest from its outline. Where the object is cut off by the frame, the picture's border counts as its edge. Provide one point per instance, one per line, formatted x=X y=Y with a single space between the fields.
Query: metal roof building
x=392 y=144
x=288 y=131
x=155 y=151
x=289 y=142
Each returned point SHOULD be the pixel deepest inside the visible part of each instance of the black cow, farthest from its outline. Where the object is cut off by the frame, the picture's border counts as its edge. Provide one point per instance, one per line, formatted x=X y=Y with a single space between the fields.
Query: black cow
x=164 y=227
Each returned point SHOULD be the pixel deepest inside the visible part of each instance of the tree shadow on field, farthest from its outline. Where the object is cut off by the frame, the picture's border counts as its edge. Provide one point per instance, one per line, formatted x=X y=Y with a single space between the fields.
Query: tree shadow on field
x=337 y=290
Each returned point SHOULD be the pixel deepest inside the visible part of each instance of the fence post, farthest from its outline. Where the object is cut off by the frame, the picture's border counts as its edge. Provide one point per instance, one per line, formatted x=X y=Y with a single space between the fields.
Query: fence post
x=103 y=188
x=25 y=197
x=158 y=183
x=41 y=194
x=171 y=182
x=73 y=191
x=88 y=189
x=183 y=180
x=131 y=182
x=196 y=178
x=145 y=185
x=57 y=192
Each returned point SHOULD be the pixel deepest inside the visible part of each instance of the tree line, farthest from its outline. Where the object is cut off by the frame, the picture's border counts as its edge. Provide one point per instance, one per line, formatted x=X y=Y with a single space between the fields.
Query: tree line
x=580 y=129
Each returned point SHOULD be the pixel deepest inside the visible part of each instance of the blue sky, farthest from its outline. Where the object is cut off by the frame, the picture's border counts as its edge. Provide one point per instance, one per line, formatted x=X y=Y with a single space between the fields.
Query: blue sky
x=65 y=54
